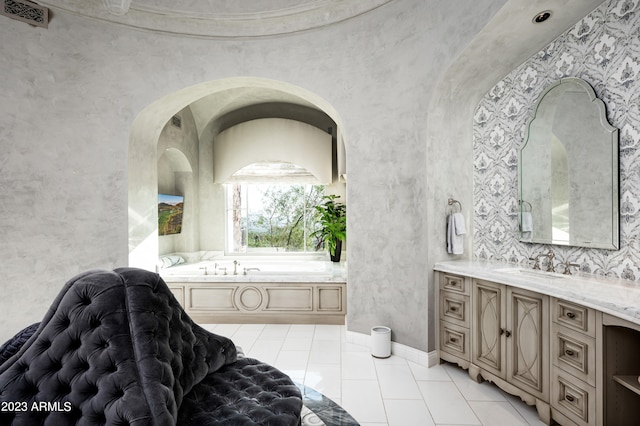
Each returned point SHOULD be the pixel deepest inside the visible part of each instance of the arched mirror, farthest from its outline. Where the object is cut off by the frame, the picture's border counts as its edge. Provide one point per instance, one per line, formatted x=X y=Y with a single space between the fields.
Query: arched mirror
x=569 y=170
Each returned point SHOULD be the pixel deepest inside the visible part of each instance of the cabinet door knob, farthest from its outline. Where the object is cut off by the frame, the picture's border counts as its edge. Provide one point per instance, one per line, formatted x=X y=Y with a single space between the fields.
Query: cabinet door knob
x=501 y=331
x=453 y=308
x=571 y=315
x=569 y=398
x=569 y=352
x=453 y=339
x=507 y=333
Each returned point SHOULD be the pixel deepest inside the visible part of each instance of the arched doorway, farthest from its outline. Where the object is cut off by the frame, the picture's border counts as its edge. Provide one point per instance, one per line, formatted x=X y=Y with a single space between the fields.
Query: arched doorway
x=207 y=102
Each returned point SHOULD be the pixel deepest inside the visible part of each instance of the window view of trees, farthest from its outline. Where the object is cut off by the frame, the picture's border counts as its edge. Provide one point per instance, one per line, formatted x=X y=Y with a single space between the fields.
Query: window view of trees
x=273 y=218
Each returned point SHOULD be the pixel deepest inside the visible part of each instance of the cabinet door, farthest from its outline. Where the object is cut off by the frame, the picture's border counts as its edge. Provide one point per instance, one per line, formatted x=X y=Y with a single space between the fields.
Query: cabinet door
x=527 y=341
x=488 y=326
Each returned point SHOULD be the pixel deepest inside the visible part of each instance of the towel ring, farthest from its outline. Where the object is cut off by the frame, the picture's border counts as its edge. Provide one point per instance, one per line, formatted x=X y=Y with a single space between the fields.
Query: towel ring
x=523 y=205
x=452 y=202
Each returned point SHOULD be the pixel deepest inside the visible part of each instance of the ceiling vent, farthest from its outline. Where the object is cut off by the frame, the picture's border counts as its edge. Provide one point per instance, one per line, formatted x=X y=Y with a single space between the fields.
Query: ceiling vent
x=26 y=11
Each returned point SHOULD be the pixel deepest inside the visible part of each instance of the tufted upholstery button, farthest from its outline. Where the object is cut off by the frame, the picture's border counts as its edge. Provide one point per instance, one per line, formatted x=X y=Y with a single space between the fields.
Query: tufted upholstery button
x=95 y=322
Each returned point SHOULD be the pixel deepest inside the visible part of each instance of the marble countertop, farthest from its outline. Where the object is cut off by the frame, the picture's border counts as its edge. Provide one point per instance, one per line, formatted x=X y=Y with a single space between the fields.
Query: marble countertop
x=620 y=298
x=254 y=278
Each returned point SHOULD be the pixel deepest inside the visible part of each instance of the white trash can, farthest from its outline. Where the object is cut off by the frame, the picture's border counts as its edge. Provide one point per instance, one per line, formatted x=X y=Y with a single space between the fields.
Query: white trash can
x=381 y=341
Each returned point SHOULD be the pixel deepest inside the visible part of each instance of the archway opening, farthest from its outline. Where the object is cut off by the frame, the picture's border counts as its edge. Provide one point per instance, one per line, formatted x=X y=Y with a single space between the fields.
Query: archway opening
x=204 y=111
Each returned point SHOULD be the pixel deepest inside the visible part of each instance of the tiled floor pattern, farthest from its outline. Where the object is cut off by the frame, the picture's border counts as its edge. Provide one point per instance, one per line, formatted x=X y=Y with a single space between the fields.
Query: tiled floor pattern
x=377 y=392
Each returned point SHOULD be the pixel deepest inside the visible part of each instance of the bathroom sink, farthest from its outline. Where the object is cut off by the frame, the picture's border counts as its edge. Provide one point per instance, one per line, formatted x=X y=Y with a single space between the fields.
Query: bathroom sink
x=531 y=273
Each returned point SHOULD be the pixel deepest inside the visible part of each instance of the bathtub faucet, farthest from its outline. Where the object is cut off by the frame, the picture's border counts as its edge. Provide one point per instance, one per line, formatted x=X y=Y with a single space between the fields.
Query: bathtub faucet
x=235 y=267
x=250 y=269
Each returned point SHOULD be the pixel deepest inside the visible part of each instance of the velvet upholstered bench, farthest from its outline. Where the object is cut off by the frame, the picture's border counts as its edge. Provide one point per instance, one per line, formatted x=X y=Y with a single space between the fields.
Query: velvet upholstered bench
x=116 y=348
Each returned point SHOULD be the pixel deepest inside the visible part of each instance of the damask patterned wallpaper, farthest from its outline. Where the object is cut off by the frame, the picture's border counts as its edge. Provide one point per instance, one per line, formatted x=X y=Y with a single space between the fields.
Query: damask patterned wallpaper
x=603 y=49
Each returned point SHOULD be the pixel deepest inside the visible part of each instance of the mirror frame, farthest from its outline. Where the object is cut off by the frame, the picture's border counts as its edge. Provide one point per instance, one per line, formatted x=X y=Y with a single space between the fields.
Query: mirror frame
x=614 y=244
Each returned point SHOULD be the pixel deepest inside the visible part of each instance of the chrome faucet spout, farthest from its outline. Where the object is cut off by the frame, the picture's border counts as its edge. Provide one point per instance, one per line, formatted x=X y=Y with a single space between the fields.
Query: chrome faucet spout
x=250 y=269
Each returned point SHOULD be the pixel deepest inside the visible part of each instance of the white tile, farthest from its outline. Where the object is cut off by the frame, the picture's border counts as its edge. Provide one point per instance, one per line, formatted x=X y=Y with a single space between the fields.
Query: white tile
x=325 y=352
x=265 y=350
x=293 y=364
x=397 y=382
x=435 y=373
x=275 y=330
x=251 y=328
x=329 y=332
x=354 y=347
x=226 y=330
x=362 y=399
x=446 y=404
x=305 y=331
x=326 y=379
x=471 y=390
x=497 y=413
x=358 y=366
x=528 y=412
x=393 y=359
x=407 y=413
x=296 y=344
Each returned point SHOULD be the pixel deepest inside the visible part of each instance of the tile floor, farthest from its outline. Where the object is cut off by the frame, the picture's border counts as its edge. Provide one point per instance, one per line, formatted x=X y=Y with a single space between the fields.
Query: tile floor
x=377 y=392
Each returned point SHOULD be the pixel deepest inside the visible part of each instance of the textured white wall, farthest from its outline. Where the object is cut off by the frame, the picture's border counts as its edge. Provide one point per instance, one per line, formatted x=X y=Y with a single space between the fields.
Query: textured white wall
x=71 y=93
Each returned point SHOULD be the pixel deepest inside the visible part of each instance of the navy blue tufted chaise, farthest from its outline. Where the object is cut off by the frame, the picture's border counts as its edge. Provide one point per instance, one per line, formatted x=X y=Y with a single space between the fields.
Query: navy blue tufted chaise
x=116 y=348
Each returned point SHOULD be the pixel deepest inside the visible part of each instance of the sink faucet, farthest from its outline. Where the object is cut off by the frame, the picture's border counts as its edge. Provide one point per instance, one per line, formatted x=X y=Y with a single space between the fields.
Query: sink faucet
x=250 y=269
x=550 y=255
x=205 y=270
x=567 y=267
x=235 y=267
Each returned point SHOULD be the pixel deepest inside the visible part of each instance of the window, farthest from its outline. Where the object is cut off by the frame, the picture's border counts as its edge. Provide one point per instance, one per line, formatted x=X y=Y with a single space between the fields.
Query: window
x=272 y=218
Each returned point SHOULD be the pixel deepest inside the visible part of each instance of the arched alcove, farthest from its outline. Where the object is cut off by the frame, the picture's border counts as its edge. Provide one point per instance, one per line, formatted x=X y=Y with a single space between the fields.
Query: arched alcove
x=212 y=97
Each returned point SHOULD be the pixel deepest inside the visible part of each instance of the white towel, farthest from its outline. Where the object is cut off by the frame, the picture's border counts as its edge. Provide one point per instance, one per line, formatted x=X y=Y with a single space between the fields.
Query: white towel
x=455 y=233
x=526 y=222
x=458 y=222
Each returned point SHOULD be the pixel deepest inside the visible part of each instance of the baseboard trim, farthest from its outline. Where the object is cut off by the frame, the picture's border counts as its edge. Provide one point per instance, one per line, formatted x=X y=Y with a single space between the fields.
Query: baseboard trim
x=403 y=351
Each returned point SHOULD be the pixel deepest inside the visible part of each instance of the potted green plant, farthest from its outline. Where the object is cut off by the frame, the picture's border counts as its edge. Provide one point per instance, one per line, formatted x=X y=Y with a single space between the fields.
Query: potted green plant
x=333 y=222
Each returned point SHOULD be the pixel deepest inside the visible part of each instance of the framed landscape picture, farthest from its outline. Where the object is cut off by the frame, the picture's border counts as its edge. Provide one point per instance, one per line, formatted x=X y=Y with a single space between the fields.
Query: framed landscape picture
x=170 y=210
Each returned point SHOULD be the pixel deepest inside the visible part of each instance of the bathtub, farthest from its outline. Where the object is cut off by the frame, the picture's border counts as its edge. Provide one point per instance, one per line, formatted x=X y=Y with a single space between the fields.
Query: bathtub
x=262 y=290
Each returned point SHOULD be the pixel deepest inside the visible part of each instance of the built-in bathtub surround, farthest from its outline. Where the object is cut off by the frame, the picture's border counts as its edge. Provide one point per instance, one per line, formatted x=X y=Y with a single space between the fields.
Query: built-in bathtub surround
x=248 y=289
x=603 y=49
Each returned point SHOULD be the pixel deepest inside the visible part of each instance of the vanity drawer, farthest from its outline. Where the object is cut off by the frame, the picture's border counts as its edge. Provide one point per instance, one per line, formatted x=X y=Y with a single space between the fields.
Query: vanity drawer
x=573 y=398
x=574 y=353
x=454 y=340
x=574 y=316
x=453 y=283
x=454 y=308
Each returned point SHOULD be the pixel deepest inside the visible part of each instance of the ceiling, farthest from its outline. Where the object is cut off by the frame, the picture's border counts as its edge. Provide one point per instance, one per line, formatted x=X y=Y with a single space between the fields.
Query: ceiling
x=221 y=18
